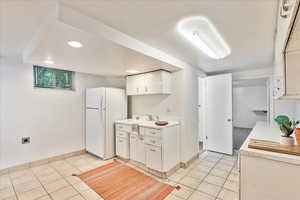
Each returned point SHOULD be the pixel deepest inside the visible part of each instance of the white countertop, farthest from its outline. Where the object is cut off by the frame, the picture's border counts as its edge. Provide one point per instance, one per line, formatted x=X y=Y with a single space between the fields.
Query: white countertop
x=147 y=124
x=270 y=132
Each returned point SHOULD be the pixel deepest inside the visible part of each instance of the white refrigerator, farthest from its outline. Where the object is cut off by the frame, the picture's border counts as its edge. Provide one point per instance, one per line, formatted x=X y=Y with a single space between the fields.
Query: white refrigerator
x=104 y=106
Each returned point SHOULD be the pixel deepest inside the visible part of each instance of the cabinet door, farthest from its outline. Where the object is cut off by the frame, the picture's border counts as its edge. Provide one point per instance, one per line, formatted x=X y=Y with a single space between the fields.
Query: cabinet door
x=153 y=83
x=130 y=85
x=135 y=85
x=292 y=73
x=137 y=149
x=154 y=157
x=141 y=151
x=122 y=147
x=134 y=147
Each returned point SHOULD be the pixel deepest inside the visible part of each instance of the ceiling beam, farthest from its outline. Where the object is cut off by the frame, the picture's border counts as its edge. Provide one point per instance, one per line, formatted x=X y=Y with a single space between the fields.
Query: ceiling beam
x=88 y=24
x=51 y=17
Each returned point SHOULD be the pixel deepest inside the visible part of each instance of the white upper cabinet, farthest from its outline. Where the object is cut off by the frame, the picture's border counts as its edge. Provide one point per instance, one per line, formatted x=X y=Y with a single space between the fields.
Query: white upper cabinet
x=292 y=73
x=135 y=85
x=287 y=40
x=157 y=82
x=292 y=60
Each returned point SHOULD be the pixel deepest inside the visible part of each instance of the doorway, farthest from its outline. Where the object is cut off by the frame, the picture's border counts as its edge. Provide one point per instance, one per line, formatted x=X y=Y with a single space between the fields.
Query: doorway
x=215 y=113
x=250 y=104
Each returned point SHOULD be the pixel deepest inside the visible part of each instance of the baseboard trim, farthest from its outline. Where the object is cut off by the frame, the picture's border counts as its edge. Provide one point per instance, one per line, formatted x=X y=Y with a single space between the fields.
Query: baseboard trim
x=153 y=172
x=189 y=162
x=40 y=162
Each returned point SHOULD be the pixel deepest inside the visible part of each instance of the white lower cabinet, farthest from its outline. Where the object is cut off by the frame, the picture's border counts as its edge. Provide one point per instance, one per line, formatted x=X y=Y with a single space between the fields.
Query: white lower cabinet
x=137 y=148
x=154 y=157
x=155 y=148
x=122 y=147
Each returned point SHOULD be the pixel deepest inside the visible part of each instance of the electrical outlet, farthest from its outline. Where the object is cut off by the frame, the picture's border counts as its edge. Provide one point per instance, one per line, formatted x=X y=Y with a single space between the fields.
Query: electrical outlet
x=25 y=140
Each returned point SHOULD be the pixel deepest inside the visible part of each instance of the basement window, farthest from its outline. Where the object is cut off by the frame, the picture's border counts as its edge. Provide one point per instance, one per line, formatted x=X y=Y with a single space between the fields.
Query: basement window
x=52 y=78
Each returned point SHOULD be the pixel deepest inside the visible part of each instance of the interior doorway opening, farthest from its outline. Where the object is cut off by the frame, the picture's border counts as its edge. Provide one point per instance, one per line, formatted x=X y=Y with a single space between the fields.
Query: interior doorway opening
x=250 y=103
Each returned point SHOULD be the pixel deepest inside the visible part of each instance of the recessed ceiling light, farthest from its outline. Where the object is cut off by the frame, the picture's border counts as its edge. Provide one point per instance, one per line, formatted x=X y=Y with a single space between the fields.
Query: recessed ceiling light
x=75 y=44
x=132 y=71
x=205 y=36
x=49 y=62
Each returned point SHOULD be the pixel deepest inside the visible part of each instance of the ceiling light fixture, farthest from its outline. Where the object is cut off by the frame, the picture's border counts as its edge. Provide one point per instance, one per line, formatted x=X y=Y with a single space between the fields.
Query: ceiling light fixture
x=205 y=36
x=132 y=71
x=75 y=44
x=49 y=62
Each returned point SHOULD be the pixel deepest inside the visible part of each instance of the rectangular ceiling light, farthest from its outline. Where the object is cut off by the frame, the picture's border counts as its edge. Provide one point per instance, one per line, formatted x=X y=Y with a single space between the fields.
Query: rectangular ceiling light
x=204 y=35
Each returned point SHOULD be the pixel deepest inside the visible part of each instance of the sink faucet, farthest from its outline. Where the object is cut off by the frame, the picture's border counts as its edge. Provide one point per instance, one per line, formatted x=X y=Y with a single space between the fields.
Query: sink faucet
x=152 y=117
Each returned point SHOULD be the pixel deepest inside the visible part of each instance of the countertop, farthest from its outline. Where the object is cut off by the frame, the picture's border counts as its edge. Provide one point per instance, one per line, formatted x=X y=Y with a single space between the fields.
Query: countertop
x=270 y=132
x=147 y=124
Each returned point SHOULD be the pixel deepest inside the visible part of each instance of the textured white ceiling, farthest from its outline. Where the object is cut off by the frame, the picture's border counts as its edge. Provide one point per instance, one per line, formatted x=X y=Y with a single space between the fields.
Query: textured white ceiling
x=247 y=26
x=97 y=56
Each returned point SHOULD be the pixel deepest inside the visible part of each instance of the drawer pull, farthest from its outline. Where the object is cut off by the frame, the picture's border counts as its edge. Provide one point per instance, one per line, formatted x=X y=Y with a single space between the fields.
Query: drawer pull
x=153 y=133
x=120 y=140
x=153 y=141
x=152 y=150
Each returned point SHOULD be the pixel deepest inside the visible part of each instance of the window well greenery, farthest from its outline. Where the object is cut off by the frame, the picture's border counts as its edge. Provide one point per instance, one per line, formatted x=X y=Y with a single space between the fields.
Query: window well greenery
x=52 y=78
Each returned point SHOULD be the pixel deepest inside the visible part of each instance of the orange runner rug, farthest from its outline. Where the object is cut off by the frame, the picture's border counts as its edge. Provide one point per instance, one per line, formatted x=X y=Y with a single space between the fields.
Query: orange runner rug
x=116 y=181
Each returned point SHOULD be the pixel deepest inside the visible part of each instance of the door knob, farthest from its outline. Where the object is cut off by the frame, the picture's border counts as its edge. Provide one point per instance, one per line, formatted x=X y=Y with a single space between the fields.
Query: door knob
x=229 y=120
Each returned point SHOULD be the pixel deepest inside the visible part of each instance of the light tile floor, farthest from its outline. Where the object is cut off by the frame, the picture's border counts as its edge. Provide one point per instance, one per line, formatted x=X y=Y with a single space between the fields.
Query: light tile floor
x=211 y=177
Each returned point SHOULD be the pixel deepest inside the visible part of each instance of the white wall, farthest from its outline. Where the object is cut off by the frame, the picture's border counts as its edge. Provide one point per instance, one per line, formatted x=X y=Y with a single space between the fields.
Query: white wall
x=285 y=107
x=53 y=118
x=245 y=100
x=168 y=107
x=190 y=136
x=181 y=105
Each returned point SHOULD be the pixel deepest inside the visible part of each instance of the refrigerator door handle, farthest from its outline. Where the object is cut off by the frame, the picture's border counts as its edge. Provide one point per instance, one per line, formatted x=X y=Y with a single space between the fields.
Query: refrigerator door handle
x=101 y=104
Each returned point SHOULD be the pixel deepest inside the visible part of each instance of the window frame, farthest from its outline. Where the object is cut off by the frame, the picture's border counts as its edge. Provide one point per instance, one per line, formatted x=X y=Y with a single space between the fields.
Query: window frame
x=70 y=75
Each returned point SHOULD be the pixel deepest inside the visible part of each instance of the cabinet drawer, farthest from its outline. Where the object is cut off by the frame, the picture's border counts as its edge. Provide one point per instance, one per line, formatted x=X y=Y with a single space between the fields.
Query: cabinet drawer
x=153 y=141
x=122 y=147
x=123 y=127
x=153 y=132
x=122 y=134
x=154 y=157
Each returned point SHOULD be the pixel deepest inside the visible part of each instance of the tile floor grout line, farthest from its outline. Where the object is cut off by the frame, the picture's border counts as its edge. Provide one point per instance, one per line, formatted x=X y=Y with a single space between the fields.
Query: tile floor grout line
x=209 y=163
x=221 y=187
x=41 y=183
x=194 y=190
x=72 y=185
x=15 y=192
x=225 y=182
x=210 y=172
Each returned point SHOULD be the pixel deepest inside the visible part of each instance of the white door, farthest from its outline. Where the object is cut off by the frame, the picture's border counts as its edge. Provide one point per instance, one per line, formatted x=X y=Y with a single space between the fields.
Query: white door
x=137 y=149
x=94 y=97
x=115 y=106
x=134 y=147
x=154 y=157
x=218 y=113
x=122 y=149
x=95 y=131
x=131 y=88
x=135 y=85
x=153 y=82
x=201 y=108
